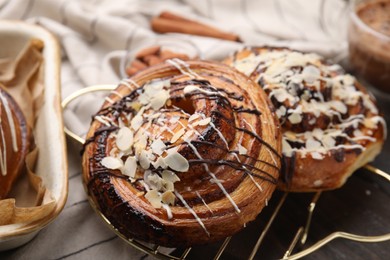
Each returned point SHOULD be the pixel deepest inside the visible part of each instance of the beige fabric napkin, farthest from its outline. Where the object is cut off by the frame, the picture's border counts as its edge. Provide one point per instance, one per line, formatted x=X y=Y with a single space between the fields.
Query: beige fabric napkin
x=95 y=36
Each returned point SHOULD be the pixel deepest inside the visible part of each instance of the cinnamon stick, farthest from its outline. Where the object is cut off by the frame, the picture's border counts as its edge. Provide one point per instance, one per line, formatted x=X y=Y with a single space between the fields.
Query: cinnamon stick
x=168 y=22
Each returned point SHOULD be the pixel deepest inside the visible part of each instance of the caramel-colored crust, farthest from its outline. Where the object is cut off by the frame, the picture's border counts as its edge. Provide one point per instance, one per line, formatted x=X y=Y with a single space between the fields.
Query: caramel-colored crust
x=124 y=205
x=303 y=173
x=14 y=160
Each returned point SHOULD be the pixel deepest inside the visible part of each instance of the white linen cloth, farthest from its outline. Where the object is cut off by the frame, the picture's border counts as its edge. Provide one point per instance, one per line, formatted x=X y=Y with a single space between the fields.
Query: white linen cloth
x=95 y=35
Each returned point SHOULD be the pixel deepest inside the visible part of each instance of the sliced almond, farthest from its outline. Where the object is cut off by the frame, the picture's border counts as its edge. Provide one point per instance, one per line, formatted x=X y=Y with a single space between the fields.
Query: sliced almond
x=144 y=160
x=188 y=134
x=177 y=135
x=287 y=150
x=202 y=122
x=193 y=117
x=168 y=197
x=168 y=185
x=295 y=118
x=154 y=181
x=339 y=106
x=158 y=146
x=159 y=163
x=140 y=143
x=281 y=111
x=177 y=162
x=159 y=100
x=112 y=163
x=154 y=198
x=130 y=167
x=328 y=141
x=169 y=176
x=312 y=144
x=124 y=139
x=174 y=119
x=136 y=122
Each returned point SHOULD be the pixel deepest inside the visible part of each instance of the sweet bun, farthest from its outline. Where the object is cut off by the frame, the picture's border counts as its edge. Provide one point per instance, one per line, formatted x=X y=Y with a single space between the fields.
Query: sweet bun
x=183 y=153
x=331 y=125
x=14 y=142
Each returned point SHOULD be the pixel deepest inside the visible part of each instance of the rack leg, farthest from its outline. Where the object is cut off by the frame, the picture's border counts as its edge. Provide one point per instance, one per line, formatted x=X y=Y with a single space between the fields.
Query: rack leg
x=310 y=216
x=269 y=223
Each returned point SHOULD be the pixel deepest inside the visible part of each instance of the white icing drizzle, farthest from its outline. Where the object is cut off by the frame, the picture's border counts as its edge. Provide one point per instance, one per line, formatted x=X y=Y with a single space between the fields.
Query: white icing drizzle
x=105 y=120
x=109 y=100
x=192 y=88
x=250 y=176
x=3 y=153
x=254 y=131
x=182 y=67
x=187 y=66
x=216 y=180
x=220 y=134
x=192 y=212
x=204 y=203
x=11 y=122
x=129 y=82
x=117 y=93
x=168 y=210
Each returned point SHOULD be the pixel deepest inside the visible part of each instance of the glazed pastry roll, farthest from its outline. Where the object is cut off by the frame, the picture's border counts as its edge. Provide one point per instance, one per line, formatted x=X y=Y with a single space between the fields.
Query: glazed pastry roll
x=331 y=125
x=183 y=153
x=14 y=142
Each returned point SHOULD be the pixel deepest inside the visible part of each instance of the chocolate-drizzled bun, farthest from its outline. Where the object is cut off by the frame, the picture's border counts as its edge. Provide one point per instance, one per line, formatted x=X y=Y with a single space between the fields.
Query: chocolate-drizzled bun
x=14 y=142
x=183 y=153
x=330 y=123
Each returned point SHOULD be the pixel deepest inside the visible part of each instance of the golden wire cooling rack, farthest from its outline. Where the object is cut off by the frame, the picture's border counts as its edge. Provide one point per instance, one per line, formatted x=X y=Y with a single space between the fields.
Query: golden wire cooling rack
x=296 y=248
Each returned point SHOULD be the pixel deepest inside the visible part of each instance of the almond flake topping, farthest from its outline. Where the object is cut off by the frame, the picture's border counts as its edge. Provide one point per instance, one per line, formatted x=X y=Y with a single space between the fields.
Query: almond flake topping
x=295 y=118
x=169 y=176
x=144 y=160
x=159 y=163
x=176 y=162
x=158 y=146
x=328 y=141
x=174 y=119
x=159 y=99
x=112 y=163
x=168 y=198
x=154 y=181
x=194 y=117
x=287 y=150
x=124 y=139
x=136 y=122
x=177 y=135
x=130 y=167
x=202 y=122
x=312 y=144
x=154 y=198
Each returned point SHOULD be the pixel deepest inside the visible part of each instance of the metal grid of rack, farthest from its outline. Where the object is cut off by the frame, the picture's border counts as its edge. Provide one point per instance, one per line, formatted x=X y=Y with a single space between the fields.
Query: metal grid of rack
x=290 y=253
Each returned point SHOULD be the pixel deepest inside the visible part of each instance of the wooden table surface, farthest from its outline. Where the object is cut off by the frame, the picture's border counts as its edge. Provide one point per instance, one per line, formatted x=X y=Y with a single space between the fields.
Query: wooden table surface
x=361 y=206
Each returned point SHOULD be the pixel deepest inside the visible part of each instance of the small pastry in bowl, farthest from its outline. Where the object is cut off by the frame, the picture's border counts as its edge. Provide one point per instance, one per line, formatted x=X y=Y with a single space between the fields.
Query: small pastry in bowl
x=183 y=153
x=14 y=142
x=331 y=125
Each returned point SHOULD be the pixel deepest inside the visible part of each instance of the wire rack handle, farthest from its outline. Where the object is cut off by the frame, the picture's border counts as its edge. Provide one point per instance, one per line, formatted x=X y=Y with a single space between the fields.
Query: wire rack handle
x=78 y=94
x=338 y=234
